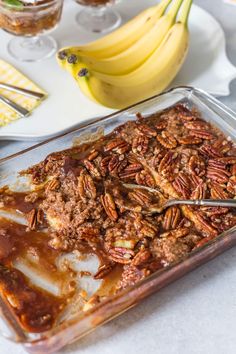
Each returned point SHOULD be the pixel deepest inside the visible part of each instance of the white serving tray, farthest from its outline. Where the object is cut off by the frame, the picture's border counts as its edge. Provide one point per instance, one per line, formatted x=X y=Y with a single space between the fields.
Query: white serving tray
x=206 y=67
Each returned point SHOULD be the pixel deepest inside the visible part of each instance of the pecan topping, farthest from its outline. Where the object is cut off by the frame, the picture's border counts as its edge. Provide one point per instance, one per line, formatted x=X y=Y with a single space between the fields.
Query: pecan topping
x=189 y=140
x=146 y=130
x=161 y=125
x=199 y=192
x=140 y=196
x=141 y=257
x=116 y=164
x=205 y=225
x=109 y=206
x=117 y=145
x=202 y=134
x=103 y=270
x=167 y=140
x=231 y=185
x=121 y=255
x=167 y=162
x=197 y=165
x=140 y=144
x=217 y=192
x=182 y=185
x=53 y=185
x=104 y=164
x=145 y=179
x=197 y=125
x=34 y=217
x=209 y=151
x=145 y=228
x=93 y=154
x=216 y=171
x=92 y=168
x=229 y=160
x=171 y=218
x=86 y=187
x=222 y=145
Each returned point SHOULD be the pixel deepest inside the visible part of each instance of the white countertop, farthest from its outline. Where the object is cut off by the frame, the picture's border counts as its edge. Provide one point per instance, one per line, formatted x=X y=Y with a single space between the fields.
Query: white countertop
x=196 y=314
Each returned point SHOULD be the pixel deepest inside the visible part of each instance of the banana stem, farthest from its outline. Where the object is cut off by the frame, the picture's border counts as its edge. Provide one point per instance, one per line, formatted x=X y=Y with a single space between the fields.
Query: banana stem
x=174 y=9
x=163 y=5
x=185 y=12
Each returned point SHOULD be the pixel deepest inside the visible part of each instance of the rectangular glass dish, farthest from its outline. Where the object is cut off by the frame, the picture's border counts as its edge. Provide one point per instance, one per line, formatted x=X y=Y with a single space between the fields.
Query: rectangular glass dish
x=71 y=328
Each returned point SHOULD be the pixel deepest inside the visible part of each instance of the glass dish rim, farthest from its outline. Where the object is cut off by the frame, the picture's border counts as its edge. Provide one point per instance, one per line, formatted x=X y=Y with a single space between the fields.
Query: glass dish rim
x=54 y=332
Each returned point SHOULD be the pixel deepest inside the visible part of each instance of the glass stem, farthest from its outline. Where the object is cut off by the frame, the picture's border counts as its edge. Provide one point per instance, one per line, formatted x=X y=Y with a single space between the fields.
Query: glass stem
x=31 y=43
x=98 y=13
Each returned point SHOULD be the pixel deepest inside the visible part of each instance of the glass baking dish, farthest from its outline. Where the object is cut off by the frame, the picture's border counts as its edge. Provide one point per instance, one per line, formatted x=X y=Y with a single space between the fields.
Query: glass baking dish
x=71 y=329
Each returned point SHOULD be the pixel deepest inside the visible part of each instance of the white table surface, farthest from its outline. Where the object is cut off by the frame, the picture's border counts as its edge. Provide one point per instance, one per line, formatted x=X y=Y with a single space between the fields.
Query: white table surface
x=196 y=314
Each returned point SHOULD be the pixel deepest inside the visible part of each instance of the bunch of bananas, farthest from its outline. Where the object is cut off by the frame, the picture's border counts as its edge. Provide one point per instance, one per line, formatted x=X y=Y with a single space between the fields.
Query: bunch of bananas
x=135 y=62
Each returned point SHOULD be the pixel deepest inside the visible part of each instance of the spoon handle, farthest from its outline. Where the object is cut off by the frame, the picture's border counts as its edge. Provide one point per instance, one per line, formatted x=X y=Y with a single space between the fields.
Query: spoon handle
x=230 y=203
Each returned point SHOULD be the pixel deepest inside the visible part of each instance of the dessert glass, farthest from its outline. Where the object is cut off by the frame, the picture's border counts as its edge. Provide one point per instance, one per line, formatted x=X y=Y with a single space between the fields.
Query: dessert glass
x=27 y=21
x=97 y=16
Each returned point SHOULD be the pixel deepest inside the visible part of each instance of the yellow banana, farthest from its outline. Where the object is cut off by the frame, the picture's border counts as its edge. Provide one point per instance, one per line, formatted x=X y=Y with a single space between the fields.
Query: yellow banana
x=137 y=54
x=125 y=36
x=155 y=78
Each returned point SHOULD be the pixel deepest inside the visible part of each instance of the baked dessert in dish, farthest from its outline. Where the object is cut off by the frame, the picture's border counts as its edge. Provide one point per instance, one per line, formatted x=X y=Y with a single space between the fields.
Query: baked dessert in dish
x=79 y=205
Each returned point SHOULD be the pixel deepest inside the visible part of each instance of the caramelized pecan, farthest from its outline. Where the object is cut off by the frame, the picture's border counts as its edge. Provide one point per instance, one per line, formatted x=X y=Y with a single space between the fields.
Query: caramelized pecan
x=92 y=168
x=197 y=165
x=202 y=134
x=171 y=218
x=222 y=145
x=140 y=144
x=209 y=151
x=182 y=185
x=103 y=270
x=92 y=155
x=161 y=125
x=189 y=140
x=145 y=179
x=109 y=206
x=146 y=130
x=140 y=196
x=167 y=140
x=53 y=185
x=121 y=255
x=117 y=164
x=145 y=228
x=167 y=162
x=216 y=171
x=141 y=257
x=231 y=185
x=197 y=125
x=217 y=191
x=229 y=160
x=34 y=217
x=117 y=145
x=104 y=164
x=86 y=187
x=199 y=192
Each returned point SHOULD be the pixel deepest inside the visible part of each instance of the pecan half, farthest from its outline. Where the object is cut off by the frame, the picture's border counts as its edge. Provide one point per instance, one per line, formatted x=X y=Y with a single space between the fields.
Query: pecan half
x=197 y=125
x=216 y=171
x=33 y=218
x=104 y=164
x=109 y=206
x=171 y=218
x=229 y=160
x=145 y=228
x=199 y=192
x=197 y=165
x=140 y=144
x=167 y=140
x=146 y=130
x=103 y=270
x=53 y=185
x=92 y=168
x=145 y=179
x=86 y=187
x=189 y=140
x=167 y=162
x=161 y=125
x=182 y=185
x=121 y=255
x=222 y=145
x=217 y=191
x=177 y=233
x=116 y=164
x=231 y=185
x=117 y=145
x=141 y=257
x=205 y=225
x=140 y=196
x=209 y=151
x=202 y=134
x=92 y=155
